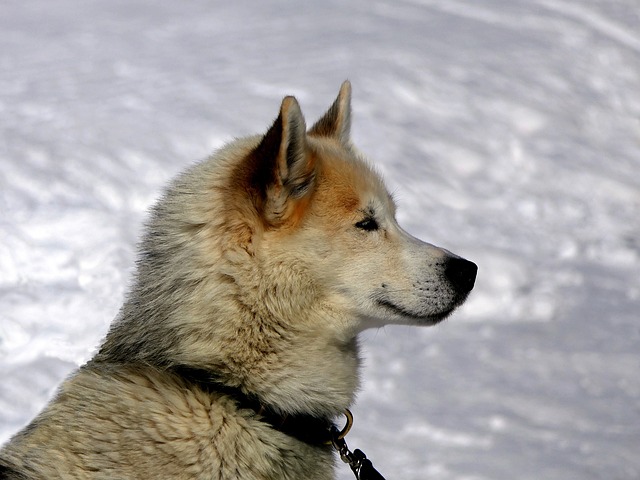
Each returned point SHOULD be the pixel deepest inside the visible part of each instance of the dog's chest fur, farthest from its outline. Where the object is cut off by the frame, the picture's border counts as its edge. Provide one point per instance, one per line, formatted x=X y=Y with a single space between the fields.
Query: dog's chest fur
x=152 y=425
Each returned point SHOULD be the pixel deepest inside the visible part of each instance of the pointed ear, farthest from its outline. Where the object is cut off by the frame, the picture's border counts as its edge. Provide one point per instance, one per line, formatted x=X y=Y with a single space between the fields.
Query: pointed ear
x=287 y=171
x=336 y=123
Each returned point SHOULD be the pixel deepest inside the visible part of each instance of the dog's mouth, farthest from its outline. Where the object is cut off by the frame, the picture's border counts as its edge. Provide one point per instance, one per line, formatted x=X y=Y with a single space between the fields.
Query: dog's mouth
x=427 y=319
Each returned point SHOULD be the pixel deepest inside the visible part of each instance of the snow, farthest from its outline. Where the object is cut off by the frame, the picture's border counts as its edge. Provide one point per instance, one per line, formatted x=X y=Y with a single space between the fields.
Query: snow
x=509 y=131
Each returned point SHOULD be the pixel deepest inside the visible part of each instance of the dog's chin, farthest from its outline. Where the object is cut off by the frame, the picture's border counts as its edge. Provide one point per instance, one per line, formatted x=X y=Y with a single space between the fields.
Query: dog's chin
x=417 y=318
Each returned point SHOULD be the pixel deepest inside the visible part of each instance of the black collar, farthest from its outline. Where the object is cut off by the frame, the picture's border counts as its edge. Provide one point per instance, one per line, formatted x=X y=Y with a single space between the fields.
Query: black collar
x=315 y=431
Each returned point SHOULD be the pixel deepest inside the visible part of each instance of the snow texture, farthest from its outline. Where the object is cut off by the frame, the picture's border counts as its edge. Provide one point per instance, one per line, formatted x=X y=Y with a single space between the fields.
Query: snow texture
x=509 y=131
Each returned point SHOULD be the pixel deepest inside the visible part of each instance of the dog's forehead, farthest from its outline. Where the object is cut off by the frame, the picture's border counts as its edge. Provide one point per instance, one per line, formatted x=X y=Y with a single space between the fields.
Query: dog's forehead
x=348 y=182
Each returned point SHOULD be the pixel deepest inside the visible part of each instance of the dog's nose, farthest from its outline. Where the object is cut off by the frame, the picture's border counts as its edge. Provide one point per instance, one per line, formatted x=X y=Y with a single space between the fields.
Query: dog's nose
x=461 y=273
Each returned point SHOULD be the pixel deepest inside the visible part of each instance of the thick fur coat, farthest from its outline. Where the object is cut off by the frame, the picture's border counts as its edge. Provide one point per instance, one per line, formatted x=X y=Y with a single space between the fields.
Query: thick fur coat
x=258 y=269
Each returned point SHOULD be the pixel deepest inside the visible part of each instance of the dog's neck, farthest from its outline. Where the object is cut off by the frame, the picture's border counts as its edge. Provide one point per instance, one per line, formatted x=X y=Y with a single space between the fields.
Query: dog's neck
x=308 y=428
x=314 y=374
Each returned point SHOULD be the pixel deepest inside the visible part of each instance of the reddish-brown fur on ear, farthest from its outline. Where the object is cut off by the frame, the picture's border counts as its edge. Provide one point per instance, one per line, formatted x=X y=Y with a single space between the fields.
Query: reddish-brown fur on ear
x=279 y=173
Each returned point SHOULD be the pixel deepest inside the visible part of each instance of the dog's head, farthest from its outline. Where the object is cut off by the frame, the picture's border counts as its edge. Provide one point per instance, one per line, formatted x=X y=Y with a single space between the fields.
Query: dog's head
x=324 y=228
x=274 y=253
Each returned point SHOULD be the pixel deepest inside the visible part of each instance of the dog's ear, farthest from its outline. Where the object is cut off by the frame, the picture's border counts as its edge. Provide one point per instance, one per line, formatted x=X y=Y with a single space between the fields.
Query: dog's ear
x=287 y=170
x=336 y=123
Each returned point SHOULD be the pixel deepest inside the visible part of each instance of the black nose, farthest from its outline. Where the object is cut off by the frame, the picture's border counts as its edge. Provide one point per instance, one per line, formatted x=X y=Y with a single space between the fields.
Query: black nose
x=461 y=273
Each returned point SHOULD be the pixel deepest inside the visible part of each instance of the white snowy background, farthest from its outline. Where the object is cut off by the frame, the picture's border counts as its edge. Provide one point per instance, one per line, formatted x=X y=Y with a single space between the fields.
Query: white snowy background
x=508 y=129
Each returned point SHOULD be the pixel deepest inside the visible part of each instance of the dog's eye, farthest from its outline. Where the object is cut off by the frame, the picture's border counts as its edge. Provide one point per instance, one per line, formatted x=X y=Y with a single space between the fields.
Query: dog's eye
x=369 y=224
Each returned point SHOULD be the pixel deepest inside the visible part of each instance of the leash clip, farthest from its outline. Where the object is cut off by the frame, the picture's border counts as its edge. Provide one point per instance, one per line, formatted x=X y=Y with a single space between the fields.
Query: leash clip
x=360 y=465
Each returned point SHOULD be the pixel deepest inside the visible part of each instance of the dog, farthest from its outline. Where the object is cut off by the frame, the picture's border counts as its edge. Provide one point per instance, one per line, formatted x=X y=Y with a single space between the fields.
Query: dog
x=236 y=346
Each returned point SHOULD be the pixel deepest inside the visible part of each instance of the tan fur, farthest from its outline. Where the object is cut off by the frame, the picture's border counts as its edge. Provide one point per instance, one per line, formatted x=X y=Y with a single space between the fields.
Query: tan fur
x=139 y=423
x=260 y=265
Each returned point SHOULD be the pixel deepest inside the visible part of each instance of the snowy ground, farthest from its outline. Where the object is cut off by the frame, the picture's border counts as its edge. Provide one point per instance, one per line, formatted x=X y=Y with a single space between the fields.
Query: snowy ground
x=509 y=130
